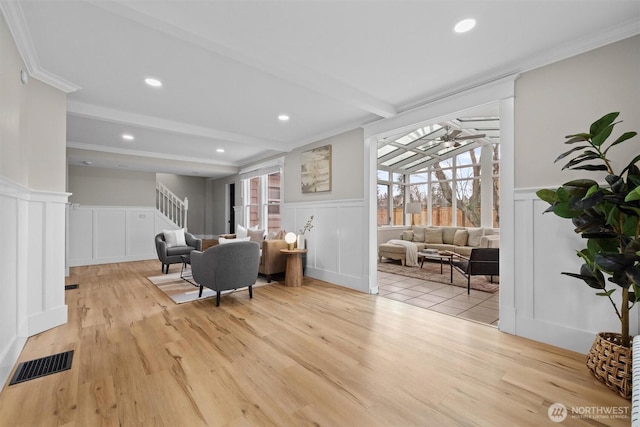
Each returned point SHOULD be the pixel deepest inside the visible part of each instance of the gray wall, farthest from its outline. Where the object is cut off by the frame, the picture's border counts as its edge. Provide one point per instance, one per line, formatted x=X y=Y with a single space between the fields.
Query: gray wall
x=564 y=98
x=32 y=125
x=111 y=187
x=347 y=152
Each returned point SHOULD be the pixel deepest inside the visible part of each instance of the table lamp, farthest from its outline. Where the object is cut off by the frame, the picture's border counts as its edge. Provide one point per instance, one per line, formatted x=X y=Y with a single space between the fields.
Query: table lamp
x=290 y=238
x=414 y=208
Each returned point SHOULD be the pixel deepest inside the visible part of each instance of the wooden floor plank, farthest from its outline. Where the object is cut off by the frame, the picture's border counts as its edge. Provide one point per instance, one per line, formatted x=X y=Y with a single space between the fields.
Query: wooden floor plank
x=314 y=355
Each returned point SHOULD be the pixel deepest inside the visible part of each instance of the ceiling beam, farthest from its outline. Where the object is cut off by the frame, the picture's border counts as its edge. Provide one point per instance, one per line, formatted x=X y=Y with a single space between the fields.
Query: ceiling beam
x=117 y=116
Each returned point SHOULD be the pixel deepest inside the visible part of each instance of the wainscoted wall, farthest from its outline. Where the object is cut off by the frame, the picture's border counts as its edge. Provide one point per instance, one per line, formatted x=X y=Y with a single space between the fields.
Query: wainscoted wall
x=31 y=267
x=337 y=248
x=551 y=307
x=107 y=234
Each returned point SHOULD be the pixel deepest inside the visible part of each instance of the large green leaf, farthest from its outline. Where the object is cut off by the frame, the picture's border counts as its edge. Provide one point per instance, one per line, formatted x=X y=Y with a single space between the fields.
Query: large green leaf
x=601 y=137
x=547 y=195
x=631 y=163
x=563 y=155
x=622 y=138
x=563 y=210
x=578 y=187
x=589 y=280
x=613 y=262
x=578 y=137
x=633 y=195
x=604 y=121
x=591 y=167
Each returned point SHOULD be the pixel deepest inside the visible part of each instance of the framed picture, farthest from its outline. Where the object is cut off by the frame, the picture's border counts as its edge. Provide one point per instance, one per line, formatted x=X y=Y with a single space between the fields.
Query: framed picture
x=316 y=170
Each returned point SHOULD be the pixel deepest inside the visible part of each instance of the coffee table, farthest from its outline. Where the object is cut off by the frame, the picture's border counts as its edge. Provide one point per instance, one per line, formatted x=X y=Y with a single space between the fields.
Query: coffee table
x=185 y=273
x=438 y=256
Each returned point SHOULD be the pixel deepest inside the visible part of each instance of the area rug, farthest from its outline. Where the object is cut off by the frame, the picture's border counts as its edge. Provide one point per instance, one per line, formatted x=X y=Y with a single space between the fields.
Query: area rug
x=181 y=290
x=431 y=272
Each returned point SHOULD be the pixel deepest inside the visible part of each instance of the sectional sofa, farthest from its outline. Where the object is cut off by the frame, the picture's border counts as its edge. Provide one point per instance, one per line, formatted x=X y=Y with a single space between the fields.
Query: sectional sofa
x=460 y=240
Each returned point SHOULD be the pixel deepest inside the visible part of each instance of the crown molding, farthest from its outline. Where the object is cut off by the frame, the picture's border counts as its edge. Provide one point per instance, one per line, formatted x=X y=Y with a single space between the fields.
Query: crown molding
x=18 y=27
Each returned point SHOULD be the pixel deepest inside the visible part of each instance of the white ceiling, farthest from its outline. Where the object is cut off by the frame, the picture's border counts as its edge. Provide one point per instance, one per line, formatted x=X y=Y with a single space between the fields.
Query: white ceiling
x=229 y=68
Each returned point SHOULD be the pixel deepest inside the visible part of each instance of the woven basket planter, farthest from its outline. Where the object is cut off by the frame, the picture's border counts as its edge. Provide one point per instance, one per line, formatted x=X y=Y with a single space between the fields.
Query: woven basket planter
x=610 y=362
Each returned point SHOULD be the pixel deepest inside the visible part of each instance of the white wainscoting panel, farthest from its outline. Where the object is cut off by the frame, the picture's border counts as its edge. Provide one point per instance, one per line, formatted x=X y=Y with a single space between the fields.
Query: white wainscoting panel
x=108 y=234
x=337 y=249
x=32 y=225
x=551 y=307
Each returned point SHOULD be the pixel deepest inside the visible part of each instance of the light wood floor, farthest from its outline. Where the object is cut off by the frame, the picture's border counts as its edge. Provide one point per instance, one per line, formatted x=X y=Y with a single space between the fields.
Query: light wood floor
x=315 y=355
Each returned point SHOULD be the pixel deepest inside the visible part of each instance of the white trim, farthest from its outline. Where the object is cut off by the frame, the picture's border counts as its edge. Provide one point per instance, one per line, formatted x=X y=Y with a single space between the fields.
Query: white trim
x=12 y=12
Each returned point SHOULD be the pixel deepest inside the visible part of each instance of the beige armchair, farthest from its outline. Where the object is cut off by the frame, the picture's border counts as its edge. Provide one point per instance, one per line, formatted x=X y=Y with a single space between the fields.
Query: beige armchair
x=272 y=261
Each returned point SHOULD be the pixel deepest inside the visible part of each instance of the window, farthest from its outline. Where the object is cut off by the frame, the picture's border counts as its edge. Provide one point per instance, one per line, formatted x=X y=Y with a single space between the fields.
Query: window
x=262 y=201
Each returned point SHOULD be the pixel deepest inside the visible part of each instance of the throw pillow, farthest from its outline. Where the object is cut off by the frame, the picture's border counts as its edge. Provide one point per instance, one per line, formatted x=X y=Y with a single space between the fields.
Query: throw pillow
x=448 y=233
x=433 y=235
x=475 y=234
x=241 y=231
x=460 y=238
x=170 y=238
x=270 y=236
x=280 y=234
x=223 y=240
x=418 y=234
x=407 y=235
x=256 y=235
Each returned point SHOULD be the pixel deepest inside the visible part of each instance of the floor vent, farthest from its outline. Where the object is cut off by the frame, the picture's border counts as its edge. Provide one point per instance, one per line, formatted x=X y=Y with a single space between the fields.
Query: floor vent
x=67 y=287
x=44 y=366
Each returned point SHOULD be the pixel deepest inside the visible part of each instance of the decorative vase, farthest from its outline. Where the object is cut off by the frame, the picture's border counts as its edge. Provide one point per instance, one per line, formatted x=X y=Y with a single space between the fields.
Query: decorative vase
x=301 y=242
x=611 y=362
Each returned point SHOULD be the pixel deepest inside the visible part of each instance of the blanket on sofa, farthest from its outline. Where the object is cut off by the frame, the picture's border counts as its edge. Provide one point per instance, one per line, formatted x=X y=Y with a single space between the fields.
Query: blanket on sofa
x=411 y=251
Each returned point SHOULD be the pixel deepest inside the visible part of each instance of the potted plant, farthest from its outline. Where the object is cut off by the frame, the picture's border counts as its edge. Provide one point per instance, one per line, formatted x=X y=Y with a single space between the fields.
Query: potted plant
x=607 y=218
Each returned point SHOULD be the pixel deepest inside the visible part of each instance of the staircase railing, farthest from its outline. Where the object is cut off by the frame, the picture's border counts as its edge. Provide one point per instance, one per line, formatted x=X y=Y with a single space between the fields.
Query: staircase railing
x=171 y=206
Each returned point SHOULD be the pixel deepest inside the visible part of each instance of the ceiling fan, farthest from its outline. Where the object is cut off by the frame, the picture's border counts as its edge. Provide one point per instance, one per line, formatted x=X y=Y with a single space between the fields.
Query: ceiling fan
x=451 y=138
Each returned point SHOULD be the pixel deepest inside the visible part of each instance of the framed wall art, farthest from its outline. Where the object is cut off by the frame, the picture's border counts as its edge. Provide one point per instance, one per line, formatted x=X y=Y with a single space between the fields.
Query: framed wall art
x=316 y=170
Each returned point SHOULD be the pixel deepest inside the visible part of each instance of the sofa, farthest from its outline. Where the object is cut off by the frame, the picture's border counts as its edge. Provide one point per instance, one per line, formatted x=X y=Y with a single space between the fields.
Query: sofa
x=460 y=240
x=272 y=261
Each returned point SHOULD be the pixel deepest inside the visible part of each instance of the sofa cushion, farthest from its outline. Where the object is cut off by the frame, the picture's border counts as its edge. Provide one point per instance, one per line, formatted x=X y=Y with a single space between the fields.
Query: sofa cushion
x=448 y=233
x=474 y=236
x=418 y=234
x=255 y=235
x=460 y=237
x=407 y=235
x=440 y=247
x=433 y=235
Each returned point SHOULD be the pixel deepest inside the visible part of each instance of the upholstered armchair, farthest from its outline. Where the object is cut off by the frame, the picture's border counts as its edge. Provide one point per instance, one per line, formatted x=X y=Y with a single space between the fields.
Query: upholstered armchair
x=481 y=262
x=226 y=267
x=168 y=254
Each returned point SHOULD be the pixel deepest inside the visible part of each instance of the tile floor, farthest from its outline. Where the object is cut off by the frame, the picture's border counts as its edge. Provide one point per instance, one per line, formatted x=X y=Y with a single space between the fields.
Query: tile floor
x=478 y=306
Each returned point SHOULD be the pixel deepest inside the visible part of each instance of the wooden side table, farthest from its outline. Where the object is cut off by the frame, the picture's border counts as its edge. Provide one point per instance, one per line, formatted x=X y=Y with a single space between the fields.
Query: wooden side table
x=293 y=272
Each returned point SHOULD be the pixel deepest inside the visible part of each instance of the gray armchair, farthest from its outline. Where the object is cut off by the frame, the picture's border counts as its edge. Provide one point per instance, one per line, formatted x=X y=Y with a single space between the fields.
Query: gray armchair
x=227 y=266
x=172 y=255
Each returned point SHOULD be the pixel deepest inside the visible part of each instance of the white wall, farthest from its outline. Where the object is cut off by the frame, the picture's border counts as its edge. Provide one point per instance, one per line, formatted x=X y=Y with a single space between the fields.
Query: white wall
x=551 y=102
x=108 y=234
x=32 y=205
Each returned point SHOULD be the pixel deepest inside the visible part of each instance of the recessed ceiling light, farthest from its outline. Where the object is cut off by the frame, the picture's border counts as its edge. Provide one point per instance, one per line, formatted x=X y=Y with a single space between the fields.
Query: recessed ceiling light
x=127 y=137
x=220 y=150
x=283 y=117
x=153 y=82
x=87 y=162
x=465 y=25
